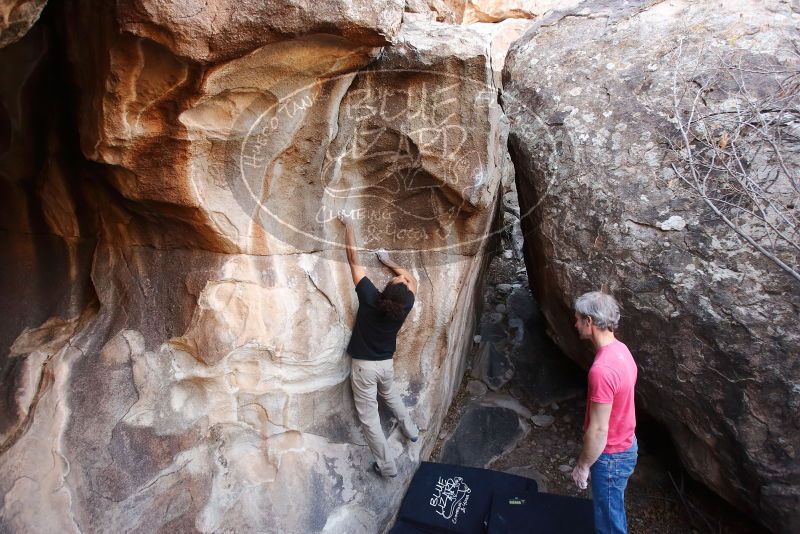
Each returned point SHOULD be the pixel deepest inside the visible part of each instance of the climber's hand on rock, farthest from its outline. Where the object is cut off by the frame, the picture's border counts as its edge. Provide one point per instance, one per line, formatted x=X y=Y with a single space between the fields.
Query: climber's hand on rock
x=382 y=255
x=344 y=220
x=580 y=475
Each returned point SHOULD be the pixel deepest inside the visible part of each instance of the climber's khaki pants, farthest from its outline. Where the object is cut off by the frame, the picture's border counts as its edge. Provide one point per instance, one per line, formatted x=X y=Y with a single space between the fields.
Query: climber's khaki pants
x=369 y=378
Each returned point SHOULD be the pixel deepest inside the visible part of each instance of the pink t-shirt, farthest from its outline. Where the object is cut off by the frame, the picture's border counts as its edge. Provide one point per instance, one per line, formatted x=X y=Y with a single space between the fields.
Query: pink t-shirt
x=612 y=378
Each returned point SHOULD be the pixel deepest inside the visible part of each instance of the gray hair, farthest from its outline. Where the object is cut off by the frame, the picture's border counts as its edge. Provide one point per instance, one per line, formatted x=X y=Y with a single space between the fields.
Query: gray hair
x=601 y=307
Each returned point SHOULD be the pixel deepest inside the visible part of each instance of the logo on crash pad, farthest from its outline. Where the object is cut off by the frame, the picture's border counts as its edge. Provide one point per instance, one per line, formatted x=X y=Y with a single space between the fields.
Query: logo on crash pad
x=450 y=497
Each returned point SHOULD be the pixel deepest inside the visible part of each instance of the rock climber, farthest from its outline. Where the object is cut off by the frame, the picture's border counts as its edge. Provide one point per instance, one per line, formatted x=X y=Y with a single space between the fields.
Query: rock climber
x=609 y=441
x=373 y=342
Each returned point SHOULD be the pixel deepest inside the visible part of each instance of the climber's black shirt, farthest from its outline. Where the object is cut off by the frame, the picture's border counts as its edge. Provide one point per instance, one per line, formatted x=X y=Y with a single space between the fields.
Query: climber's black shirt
x=374 y=336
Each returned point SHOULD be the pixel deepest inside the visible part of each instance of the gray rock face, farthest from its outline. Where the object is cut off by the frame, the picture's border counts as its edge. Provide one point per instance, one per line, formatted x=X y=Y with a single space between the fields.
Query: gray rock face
x=710 y=320
x=487 y=430
x=492 y=363
x=543 y=420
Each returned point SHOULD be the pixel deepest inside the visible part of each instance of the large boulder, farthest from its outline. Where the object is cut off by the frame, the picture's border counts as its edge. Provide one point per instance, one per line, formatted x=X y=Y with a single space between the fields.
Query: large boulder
x=631 y=126
x=199 y=379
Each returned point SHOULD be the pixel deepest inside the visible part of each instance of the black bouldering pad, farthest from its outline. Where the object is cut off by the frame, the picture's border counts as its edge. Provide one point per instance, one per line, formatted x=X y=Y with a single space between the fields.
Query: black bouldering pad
x=445 y=498
x=401 y=527
x=539 y=513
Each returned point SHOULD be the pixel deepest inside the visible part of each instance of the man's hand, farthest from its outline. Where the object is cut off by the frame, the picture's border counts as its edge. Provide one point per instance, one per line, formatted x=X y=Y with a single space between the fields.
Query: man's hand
x=344 y=220
x=580 y=475
x=383 y=256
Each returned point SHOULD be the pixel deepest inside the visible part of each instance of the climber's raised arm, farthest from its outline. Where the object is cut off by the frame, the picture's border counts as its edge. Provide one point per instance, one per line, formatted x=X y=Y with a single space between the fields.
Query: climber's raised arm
x=408 y=278
x=356 y=269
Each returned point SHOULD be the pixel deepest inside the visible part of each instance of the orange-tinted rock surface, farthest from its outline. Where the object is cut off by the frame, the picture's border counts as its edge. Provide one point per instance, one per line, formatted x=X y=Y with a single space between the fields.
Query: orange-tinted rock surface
x=183 y=302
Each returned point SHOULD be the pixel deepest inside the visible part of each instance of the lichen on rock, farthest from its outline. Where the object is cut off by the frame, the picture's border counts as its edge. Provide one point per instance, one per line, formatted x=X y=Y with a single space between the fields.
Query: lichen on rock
x=709 y=318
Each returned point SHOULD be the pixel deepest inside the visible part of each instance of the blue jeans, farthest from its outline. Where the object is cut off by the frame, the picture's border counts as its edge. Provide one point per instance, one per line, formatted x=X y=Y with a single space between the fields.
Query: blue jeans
x=610 y=475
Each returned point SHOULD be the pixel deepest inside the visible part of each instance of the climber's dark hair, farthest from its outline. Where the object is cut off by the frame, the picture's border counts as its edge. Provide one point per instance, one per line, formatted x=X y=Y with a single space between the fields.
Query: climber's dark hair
x=392 y=302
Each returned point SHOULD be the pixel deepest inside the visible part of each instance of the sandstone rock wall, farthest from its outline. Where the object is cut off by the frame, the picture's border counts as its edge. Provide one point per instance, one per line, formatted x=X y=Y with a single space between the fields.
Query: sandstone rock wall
x=181 y=297
x=711 y=321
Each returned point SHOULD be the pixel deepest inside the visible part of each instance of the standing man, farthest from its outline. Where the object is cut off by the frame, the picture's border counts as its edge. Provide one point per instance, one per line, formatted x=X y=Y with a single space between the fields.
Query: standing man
x=609 y=443
x=372 y=344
